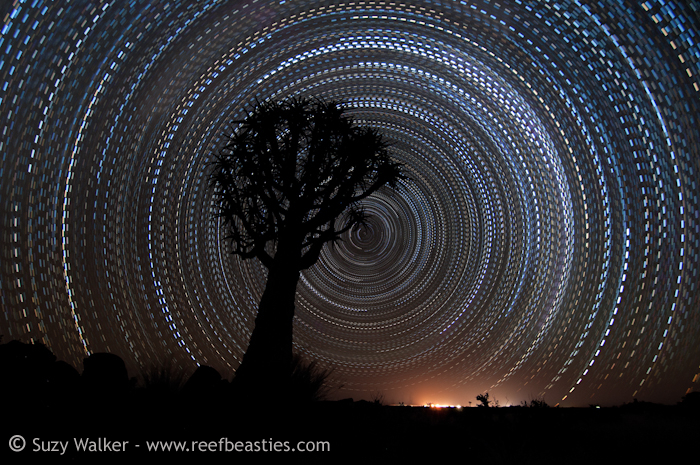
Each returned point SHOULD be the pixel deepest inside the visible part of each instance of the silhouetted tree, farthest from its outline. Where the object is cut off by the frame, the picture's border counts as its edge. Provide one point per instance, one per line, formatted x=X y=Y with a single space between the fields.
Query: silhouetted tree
x=484 y=401
x=290 y=178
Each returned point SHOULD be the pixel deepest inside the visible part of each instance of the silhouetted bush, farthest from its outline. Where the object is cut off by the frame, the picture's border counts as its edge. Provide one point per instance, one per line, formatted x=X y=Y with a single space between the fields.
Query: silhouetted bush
x=26 y=366
x=691 y=400
x=378 y=398
x=535 y=403
x=484 y=401
x=162 y=380
x=204 y=379
x=24 y=376
x=309 y=381
x=105 y=372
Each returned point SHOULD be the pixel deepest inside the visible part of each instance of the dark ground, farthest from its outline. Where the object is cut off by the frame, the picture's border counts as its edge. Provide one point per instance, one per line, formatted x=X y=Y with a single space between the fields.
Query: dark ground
x=369 y=433
x=44 y=401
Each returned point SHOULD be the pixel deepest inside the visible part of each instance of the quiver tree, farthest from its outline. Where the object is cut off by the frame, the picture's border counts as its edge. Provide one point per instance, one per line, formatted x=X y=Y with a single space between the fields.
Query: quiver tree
x=291 y=177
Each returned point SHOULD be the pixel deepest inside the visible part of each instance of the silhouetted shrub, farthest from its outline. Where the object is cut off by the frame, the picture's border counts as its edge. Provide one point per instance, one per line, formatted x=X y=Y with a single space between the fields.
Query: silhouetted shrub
x=484 y=401
x=204 y=381
x=26 y=365
x=378 y=398
x=105 y=385
x=691 y=400
x=24 y=376
x=163 y=379
x=535 y=403
x=309 y=381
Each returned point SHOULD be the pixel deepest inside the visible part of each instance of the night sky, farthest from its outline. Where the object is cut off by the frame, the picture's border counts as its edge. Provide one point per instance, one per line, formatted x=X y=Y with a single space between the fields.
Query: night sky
x=545 y=246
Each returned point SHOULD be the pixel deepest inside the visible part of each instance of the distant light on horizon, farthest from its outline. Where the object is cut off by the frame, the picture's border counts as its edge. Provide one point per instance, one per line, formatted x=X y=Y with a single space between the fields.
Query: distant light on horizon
x=439 y=406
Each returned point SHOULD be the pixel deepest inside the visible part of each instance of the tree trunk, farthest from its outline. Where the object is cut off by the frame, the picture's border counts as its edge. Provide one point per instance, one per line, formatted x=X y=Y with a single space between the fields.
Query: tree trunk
x=264 y=373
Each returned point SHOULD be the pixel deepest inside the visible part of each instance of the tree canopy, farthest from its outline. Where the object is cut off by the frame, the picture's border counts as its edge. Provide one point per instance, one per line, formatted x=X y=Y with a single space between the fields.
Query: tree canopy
x=294 y=168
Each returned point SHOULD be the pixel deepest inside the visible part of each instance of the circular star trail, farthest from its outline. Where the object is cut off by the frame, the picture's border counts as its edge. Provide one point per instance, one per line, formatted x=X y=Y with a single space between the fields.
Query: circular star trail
x=546 y=243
